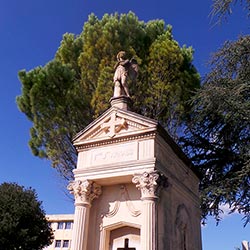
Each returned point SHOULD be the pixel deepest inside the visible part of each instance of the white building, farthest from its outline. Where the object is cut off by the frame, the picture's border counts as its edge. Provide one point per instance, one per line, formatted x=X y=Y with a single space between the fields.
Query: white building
x=62 y=226
x=245 y=245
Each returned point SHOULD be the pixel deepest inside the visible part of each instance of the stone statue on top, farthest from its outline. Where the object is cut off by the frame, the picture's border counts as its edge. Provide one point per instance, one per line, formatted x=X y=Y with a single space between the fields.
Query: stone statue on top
x=124 y=69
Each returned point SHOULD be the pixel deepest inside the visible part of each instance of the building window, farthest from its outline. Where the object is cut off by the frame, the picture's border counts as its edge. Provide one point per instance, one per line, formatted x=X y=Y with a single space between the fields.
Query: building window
x=60 y=225
x=66 y=243
x=68 y=225
x=58 y=243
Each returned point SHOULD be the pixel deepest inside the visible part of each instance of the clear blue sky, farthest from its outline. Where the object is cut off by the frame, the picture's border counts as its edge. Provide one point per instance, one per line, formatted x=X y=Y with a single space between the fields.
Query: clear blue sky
x=31 y=31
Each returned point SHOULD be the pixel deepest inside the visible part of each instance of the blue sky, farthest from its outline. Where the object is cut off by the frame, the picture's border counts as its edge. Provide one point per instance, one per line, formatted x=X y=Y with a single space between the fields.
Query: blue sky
x=31 y=31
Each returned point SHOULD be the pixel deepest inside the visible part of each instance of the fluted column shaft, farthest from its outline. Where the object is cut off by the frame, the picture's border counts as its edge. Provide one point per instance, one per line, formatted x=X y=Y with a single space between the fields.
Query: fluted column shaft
x=84 y=192
x=81 y=222
x=148 y=233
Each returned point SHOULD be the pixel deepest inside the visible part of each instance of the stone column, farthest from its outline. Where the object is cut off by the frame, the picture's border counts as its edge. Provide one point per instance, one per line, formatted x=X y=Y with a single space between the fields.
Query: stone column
x=84 y=192
x=147 y=183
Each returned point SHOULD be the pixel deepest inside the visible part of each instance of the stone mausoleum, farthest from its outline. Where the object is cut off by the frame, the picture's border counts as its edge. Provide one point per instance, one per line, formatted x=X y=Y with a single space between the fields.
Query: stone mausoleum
x=134 y=188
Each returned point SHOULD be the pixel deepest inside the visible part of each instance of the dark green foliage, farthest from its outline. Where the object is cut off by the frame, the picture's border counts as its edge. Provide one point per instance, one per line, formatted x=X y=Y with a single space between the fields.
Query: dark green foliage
x=54 y=101
x=23 y=224
x=65 y=95
x=218 y=138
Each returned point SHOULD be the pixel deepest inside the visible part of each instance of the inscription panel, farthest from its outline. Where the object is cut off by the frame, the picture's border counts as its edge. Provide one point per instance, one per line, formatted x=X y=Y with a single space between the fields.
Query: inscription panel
x=108 y=155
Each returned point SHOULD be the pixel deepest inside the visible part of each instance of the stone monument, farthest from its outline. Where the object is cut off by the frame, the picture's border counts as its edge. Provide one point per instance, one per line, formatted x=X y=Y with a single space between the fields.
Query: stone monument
x=134 y=188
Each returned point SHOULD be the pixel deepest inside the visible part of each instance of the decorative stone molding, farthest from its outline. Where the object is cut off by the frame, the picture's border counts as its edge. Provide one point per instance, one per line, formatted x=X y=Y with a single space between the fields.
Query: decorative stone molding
x=113 y=125
x=84 y=191
x=123 y=196
x=149 y=184
x=122 y=102
x=147 y=135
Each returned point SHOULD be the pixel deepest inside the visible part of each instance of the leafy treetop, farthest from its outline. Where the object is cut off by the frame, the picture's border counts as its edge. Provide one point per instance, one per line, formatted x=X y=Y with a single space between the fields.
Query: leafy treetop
x=23 y=224
x=66 y=94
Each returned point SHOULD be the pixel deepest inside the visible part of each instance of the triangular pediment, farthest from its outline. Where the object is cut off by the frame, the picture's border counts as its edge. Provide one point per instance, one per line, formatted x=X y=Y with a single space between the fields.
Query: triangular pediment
x=115 y=123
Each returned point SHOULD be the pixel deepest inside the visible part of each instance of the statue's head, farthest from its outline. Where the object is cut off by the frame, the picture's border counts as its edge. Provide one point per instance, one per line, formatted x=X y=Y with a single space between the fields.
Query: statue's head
x=121 y=56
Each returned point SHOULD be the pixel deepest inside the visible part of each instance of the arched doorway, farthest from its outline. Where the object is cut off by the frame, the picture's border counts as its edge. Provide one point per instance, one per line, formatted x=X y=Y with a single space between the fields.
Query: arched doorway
x=126 y=237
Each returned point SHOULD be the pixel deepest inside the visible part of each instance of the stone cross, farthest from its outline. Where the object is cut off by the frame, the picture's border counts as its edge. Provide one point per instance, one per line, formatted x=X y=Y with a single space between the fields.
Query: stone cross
x=113 y=125
x=126 y=246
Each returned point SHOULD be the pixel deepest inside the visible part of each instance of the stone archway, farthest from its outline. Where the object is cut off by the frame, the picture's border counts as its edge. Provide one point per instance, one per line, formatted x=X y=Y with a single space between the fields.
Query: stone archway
x=125 y=238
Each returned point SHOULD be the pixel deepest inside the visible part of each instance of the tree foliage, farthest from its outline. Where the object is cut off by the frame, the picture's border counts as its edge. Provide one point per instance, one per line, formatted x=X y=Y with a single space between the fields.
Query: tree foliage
x=66 y=94
x=23 y=224
x=218 y=138
x=223 y=8
x=218 y=135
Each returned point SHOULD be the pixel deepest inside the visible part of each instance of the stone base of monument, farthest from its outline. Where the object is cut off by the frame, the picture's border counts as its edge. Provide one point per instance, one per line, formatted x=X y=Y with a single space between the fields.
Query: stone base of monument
x=122 y=102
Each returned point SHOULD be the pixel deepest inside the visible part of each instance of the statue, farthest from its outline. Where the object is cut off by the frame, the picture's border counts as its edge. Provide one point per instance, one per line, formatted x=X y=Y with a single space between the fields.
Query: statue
x=124 y=68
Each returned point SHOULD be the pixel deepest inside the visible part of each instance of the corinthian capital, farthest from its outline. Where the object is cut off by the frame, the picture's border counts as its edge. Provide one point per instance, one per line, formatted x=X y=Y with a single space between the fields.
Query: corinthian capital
x=84 y=191
x=147 y=183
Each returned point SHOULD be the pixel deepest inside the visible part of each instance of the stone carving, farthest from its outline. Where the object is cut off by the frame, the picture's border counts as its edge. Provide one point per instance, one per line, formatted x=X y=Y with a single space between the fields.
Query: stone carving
x=114 y=125
x=124 y=68
x=182 y=227
x=123 y=195
x=84 y=191
x=134 y=212
x=147 y=183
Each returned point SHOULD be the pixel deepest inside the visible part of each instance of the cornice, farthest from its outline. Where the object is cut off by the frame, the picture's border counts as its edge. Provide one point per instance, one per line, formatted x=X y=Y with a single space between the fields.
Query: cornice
x=145 y=134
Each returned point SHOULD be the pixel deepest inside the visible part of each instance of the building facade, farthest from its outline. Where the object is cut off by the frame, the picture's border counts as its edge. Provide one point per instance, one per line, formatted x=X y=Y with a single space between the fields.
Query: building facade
x=62 y=225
